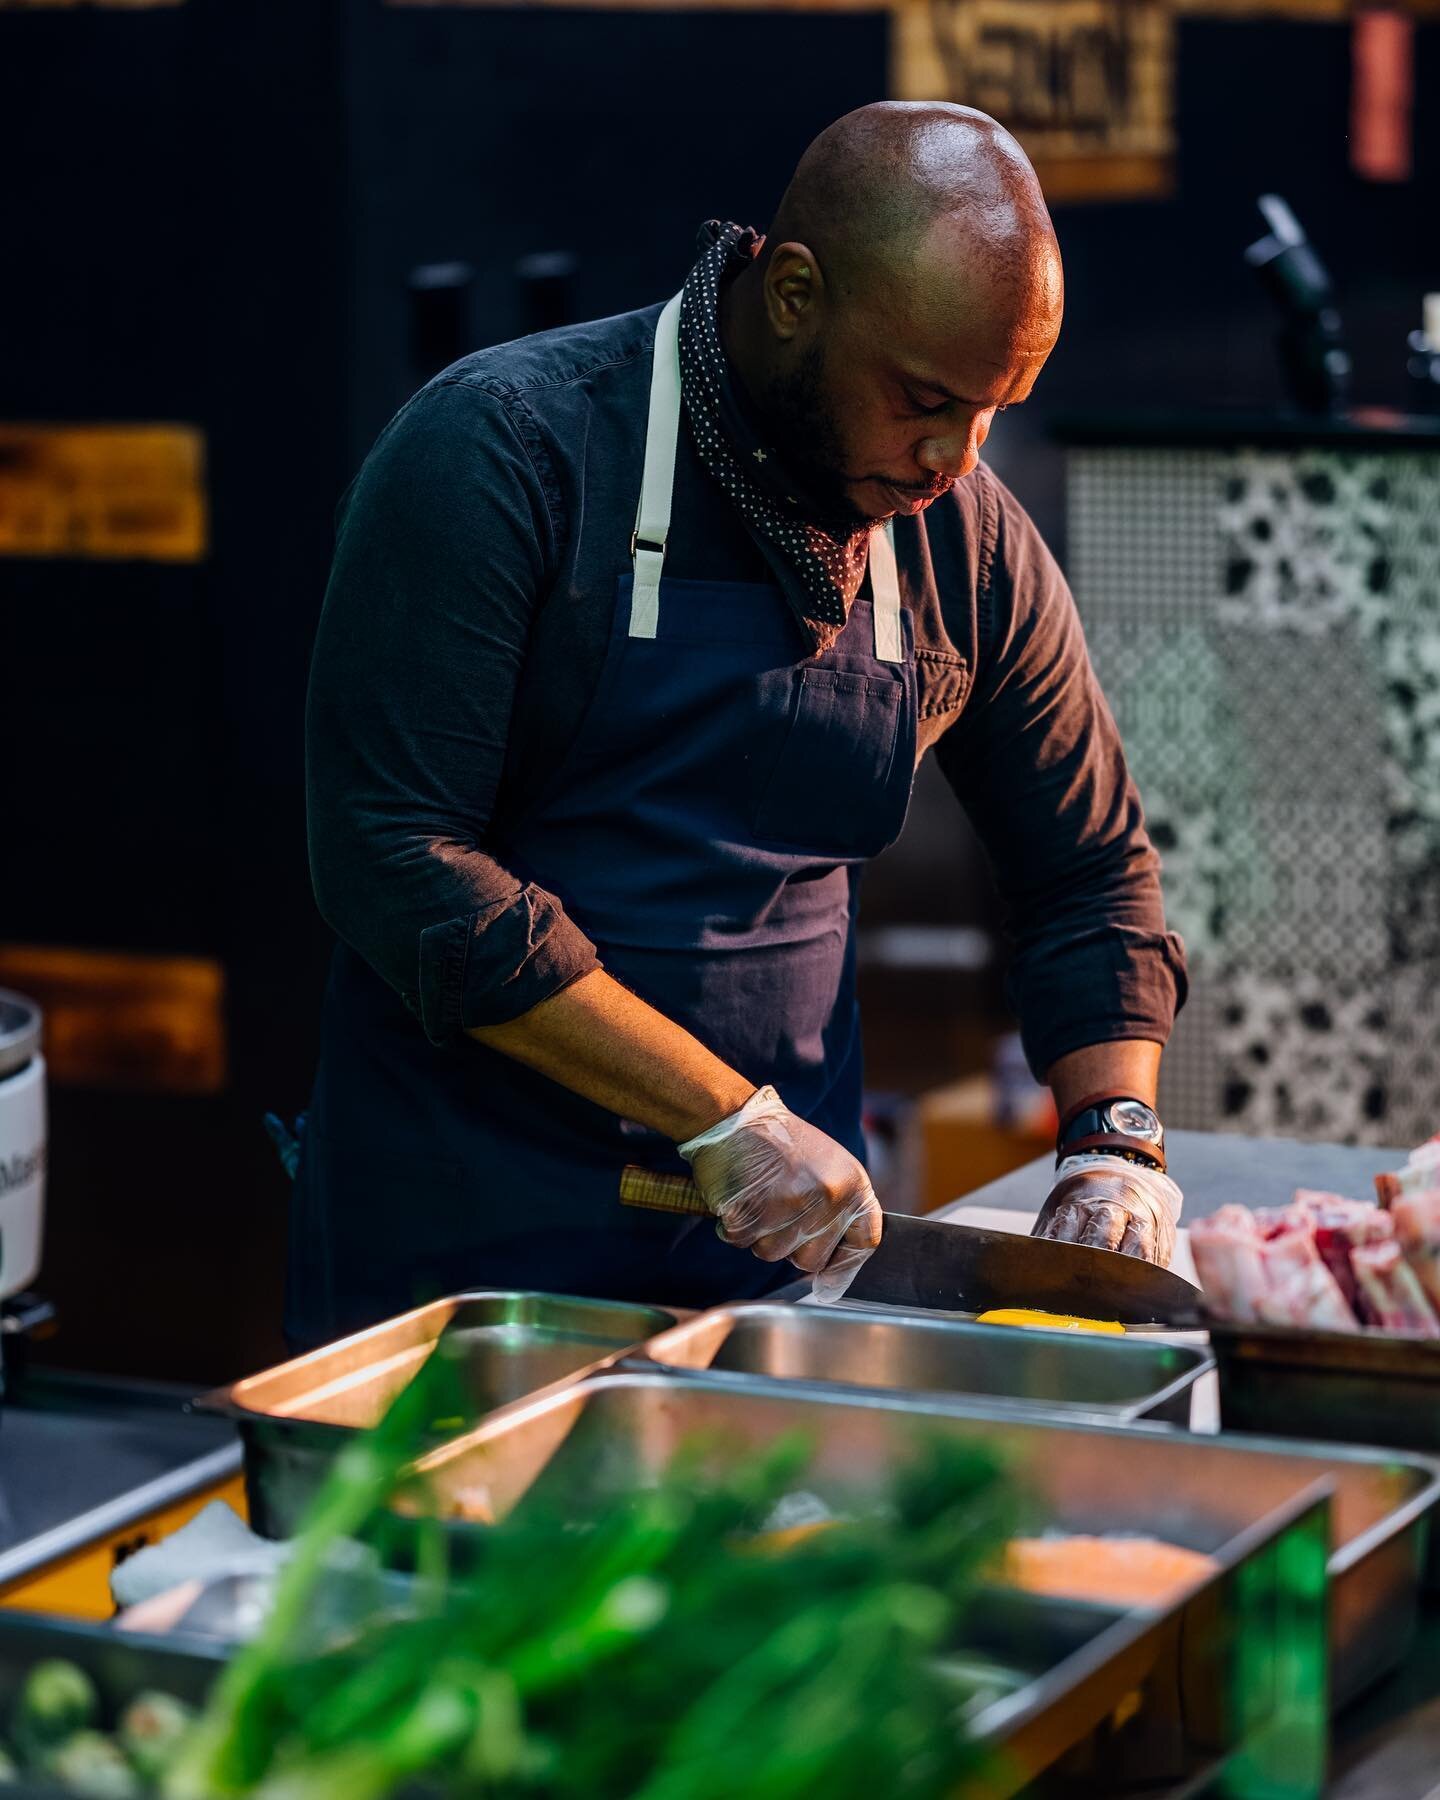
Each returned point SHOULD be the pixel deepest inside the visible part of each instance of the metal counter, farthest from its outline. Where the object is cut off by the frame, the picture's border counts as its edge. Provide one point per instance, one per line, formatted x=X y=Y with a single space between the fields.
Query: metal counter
x=84 y=1461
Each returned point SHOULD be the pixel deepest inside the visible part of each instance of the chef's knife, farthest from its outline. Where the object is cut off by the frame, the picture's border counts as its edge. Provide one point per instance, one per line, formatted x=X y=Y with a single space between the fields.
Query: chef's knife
x=965 y=1268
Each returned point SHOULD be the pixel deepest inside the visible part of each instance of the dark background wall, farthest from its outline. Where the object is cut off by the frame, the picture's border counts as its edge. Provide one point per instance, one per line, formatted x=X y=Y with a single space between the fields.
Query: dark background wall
x=219 y=210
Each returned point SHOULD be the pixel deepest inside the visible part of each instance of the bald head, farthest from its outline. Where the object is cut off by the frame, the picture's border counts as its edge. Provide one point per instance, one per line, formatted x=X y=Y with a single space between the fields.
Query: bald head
x=907 y=187
x=909 y=289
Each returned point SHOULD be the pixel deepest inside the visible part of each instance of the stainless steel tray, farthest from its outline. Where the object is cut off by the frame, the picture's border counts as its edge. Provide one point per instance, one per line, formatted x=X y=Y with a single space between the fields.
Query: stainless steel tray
x=622 y=1428
x=1152 y=1695
x=1370 y=1388
x=1059 y=1372
x=294 y=1418
x=1358 y=1388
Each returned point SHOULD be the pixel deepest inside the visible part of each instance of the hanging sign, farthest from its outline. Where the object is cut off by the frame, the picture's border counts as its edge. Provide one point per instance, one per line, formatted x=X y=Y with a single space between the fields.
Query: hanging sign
x=1086 y=85
x=106 y=491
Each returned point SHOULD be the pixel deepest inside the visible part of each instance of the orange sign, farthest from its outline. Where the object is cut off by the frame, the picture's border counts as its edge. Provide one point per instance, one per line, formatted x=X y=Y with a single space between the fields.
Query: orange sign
x=125 y=1019
x=110 y=491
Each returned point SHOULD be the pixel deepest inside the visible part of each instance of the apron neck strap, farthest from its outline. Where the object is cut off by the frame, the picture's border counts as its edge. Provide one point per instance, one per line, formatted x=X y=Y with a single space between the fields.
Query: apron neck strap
x=657 y=487
x=657 y=494
x=885 y=594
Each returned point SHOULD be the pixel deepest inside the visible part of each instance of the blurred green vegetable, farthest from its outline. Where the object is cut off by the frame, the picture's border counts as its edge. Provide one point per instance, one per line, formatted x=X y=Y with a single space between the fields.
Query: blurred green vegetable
x=646 y=1652
x=54 y=1724
x=57 y=1700
x=92 y=1764
x=151 y=1728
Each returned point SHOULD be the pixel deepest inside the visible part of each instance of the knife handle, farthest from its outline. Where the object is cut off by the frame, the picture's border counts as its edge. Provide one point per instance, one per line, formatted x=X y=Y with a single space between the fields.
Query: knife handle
x=658 y=1191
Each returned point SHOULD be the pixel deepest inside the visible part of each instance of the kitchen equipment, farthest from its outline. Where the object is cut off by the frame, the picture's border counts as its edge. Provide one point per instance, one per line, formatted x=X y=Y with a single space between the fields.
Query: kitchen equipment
x=91 y=1469
x=1365 y=1387
x=294 y=1418
x=22 y=1142
x=122 y=1664
x=1154 y=1695
x=618 y=1429
x=963 y=1268
x=940 y=1359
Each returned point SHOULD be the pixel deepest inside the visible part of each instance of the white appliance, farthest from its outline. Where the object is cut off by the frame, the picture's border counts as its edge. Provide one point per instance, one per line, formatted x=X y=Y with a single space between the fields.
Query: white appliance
x=22 y=1142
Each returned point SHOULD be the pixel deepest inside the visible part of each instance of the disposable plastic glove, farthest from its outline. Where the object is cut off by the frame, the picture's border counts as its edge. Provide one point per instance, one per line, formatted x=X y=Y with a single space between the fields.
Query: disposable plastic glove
x=781 y=1188
x=1112 y=1204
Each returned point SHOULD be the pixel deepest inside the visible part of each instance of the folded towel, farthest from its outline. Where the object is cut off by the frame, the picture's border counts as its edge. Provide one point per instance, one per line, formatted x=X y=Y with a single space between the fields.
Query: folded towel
x=215 y=1543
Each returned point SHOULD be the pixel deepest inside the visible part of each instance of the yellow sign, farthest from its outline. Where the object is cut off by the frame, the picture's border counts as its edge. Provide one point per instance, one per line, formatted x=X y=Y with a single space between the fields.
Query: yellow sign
x=1084 y=84
x=124 y=1019
x=109 y=491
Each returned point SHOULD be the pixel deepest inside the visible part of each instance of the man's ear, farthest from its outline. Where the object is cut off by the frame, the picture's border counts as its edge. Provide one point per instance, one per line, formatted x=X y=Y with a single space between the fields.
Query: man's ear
x=793 y=285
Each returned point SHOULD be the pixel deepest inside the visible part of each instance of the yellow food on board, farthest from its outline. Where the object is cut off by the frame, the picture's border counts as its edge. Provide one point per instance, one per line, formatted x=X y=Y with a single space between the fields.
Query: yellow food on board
x=1044 y=1321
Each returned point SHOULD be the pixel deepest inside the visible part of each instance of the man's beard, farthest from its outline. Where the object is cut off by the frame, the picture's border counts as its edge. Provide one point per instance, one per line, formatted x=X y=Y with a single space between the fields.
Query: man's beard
x=802 y=422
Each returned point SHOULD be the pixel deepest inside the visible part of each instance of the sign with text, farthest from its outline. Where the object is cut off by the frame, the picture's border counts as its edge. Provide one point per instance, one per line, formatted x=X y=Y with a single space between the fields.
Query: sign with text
x=1085 y=85
x=105 y=491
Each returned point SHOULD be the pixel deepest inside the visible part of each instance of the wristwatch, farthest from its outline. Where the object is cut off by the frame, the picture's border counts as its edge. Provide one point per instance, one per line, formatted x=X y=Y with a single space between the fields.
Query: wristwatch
x=1115 y=1124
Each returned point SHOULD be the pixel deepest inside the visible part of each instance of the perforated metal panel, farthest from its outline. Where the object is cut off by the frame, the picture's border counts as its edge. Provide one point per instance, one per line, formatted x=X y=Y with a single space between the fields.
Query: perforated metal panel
x=1267 y=627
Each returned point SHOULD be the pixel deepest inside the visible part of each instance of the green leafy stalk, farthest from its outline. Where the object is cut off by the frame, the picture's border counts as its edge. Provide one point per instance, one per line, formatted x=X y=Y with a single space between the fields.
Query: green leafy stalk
x=230 y=1749
x=652 y=1646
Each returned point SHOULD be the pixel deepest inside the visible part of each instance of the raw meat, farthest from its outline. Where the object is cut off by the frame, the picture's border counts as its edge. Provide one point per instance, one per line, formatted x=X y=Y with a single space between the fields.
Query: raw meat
x=1327 y=1262
x=1300 y=1289
x=1341 y=1227
x=1267 y=1270
x=1227 y=1251
x=1420 y=1173
x=1393 y=1296
x=1417 y=1225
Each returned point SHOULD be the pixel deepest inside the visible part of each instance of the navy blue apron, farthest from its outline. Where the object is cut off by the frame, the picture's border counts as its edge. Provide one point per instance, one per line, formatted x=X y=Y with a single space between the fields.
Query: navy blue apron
x=707 y=831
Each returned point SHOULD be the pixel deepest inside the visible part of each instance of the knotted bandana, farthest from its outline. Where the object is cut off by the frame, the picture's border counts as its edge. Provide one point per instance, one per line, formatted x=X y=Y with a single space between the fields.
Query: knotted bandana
x=819 y=566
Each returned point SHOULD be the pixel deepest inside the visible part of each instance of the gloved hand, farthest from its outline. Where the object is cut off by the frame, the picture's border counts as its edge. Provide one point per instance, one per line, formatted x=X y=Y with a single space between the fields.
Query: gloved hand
x=779 y=1187
x=1112 y=1204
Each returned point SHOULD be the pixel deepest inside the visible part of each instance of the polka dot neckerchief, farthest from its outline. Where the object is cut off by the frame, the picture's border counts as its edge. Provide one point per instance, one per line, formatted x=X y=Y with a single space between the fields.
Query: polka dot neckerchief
x=820 y=568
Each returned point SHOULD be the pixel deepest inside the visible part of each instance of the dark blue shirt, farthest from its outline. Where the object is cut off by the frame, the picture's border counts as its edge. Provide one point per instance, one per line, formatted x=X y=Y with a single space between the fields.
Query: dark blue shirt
x=462 y=637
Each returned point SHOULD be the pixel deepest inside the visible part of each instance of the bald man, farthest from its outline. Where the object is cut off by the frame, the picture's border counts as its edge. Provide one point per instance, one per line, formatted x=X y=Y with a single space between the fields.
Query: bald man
x=635 y=636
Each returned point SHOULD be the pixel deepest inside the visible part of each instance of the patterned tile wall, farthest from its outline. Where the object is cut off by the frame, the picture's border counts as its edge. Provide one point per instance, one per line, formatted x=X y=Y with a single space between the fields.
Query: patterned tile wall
x=1267 y=627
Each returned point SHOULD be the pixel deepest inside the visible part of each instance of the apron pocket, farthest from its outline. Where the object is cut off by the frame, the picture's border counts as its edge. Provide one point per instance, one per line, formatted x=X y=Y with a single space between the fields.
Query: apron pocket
x=832 y=787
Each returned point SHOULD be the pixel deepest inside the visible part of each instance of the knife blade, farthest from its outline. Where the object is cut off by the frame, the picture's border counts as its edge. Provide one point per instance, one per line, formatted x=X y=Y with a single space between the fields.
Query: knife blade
x=966 y=1268
x=934 y=1266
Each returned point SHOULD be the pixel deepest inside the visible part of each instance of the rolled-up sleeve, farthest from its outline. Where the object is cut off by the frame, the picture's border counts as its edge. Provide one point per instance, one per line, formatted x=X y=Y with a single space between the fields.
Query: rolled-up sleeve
x=1037 y=762
x=444 y=544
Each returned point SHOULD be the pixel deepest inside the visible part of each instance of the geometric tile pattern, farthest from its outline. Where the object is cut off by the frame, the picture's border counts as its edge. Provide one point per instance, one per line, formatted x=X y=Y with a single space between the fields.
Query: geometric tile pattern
x=1266 y=625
